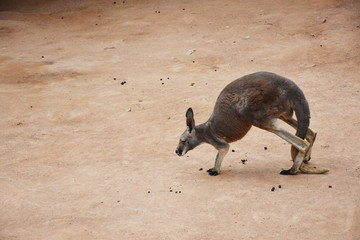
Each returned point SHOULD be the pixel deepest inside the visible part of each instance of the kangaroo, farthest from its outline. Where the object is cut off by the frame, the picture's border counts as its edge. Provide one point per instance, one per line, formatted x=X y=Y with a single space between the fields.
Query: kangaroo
x=259 y=100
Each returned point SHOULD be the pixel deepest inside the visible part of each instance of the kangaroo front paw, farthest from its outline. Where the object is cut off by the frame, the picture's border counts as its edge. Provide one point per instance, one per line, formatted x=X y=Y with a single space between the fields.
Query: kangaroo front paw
x=212 y=172
x=287 y=172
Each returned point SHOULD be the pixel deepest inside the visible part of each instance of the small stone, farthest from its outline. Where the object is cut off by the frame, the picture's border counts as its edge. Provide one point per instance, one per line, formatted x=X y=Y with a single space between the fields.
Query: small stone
x=42 y=56
x=123 y=82
x=192 y=84
x=179 y=191
x=129 y=110
x=243 y=161
x=265 y=148
x=148 y=191
x=279 y=186
x=114 y=2
x=233 y=150
x=200 y=169
x=324 y=21
x=191 y=51
x=170 y=190
x=114 y=78
x=330 y=186
x=272 y=189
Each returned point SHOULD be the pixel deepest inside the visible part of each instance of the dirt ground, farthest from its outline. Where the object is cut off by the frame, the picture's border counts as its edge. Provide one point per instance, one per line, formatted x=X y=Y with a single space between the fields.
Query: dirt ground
x=93 y=96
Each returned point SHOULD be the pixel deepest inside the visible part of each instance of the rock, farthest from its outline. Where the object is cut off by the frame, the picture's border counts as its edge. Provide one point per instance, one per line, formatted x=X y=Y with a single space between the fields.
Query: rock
x=191 y=51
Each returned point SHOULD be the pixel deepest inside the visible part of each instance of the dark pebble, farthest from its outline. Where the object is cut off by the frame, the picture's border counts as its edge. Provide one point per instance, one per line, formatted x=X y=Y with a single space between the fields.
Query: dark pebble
x=179 y=191
x=168 y=78
x=114 y=2
x=243 y=161
x=279 y=186
x=330 y=186
x=122 y=83
x=176 y=192
x=148 y=191
x=42 y=56
x=233 y=150
x=114 y=78
x=200 y=169
x=162 y=83
x=265 y=148
x=170 y=190
x=272 y=189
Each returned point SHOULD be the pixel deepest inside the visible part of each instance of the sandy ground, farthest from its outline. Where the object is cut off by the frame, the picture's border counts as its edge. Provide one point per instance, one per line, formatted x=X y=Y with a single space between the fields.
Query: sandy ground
x=93 y=96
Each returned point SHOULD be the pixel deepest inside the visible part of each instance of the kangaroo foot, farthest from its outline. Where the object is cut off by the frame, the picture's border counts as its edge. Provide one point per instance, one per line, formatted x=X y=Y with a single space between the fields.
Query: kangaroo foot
x=288 y=172
x=212 y=172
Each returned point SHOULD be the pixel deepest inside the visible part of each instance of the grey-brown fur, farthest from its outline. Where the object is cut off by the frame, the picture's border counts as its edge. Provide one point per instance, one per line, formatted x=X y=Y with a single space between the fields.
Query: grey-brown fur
x=258 y=99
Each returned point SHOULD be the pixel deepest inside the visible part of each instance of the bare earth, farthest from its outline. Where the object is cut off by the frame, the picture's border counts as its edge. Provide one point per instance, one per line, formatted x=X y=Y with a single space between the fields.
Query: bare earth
x=93 y=96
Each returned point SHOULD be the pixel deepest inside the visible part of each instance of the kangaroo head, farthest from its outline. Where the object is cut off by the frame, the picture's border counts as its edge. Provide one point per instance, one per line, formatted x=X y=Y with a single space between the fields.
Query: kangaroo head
x=188 y=140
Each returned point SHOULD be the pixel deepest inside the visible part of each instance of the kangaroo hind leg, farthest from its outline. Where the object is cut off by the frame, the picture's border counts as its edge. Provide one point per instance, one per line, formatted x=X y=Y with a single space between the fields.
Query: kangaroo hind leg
x=310 y=137
x=299 y=144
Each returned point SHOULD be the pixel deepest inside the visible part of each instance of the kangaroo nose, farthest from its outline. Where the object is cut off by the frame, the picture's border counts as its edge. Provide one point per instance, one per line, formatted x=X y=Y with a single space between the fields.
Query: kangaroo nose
x=178 y=152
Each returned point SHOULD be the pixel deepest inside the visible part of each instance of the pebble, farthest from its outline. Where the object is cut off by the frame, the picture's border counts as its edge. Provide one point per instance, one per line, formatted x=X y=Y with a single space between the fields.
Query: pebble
x=191 y=51
x=272 y=189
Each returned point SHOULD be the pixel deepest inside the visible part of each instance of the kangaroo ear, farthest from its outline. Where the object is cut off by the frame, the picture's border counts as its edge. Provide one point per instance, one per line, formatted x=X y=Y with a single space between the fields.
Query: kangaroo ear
x=190 y=122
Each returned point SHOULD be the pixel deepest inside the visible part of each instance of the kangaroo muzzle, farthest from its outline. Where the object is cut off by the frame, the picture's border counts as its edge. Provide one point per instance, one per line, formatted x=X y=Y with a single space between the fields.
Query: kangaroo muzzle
x=181 y=150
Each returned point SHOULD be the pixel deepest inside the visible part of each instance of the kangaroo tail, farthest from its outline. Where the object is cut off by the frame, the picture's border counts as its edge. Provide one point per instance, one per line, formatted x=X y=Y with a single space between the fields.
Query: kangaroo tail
x=302 y=112
x=314 y=170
